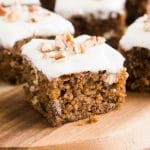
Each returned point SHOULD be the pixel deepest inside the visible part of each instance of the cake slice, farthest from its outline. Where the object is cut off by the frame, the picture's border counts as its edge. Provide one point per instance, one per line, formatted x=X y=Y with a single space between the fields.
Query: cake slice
x=135 y=46
x=95 y=17
x=18 y=25
x=70 y=79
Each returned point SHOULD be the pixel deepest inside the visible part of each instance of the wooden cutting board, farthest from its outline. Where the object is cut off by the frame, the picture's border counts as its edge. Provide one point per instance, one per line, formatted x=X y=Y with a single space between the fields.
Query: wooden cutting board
x=23 y=128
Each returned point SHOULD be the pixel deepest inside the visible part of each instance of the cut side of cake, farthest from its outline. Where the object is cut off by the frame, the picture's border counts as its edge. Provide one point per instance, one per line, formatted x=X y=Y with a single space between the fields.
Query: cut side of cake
x=95 y=17
x=135 y=46
x=71 y=79
x=18 y=25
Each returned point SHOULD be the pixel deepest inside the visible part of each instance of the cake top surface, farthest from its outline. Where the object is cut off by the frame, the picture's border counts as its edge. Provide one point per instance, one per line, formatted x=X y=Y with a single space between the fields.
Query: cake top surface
x=137 y=34
x=101 y=8
x=23 y=2
x=20 y=22
x=66 y=55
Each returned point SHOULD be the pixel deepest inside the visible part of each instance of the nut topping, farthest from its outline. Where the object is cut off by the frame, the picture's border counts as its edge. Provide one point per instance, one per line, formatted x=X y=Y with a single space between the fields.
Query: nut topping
x=93 y=40
x=47 y=14
x=15 y=13
x=12 y=16
x=45 y=48
x=66 y=43
x=32 y=8
x=32 y=20
x=82 y=48
x=3 y=11
x=59 y=56
x=69 y=38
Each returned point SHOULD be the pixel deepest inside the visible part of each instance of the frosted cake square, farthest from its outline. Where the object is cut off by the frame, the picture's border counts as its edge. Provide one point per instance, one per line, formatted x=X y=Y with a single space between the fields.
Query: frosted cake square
x=18 y=25
x=71 y=79
x=135 y=46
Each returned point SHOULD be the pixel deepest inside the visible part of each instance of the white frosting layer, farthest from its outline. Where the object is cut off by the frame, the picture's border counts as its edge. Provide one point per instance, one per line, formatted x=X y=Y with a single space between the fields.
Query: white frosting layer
x=100 y=8
x=135 y=36
x=47 y=24
x=96 y=58
x=23 y=2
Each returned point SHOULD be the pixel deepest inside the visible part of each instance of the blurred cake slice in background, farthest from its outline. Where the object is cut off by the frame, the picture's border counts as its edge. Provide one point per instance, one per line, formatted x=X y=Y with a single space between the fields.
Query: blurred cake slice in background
x=95 y=17
x=135 y=46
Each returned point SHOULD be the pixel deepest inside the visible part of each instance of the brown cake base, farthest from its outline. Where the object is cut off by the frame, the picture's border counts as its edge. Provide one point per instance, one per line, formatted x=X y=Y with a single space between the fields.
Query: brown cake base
x=11 y=66
x=11 y=63
x=75 y=96
x=48 y=4
x=135 y=9
x=138 y=67
x=112 y=28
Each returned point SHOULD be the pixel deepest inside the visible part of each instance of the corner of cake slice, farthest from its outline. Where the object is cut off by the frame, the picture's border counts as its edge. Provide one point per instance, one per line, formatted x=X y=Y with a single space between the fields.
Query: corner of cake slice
x=18 y=25
x=69 y=79
x=135 y=46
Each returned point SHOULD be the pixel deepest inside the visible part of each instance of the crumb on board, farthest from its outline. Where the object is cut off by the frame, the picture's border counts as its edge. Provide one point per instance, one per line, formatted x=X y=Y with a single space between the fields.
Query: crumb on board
x=90 y=120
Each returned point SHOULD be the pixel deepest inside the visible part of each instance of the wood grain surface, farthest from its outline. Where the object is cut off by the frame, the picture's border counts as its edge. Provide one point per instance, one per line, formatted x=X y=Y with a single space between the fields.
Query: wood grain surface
x=23 y=128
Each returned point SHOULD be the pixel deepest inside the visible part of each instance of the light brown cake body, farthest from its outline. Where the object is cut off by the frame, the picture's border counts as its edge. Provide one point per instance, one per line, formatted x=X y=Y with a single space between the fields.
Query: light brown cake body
x=64 y=95
x=18 y=25
x=11 y=66
x=135 y=48
x=102 y=18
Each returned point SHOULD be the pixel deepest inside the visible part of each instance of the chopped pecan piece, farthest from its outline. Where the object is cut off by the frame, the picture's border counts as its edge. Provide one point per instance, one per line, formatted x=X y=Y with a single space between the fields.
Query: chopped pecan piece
x=92 y=41
x=32 y=20
x=82 y=48
x=3 y=11
x=32 y=8
x=59 y=56
x=45 y=48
